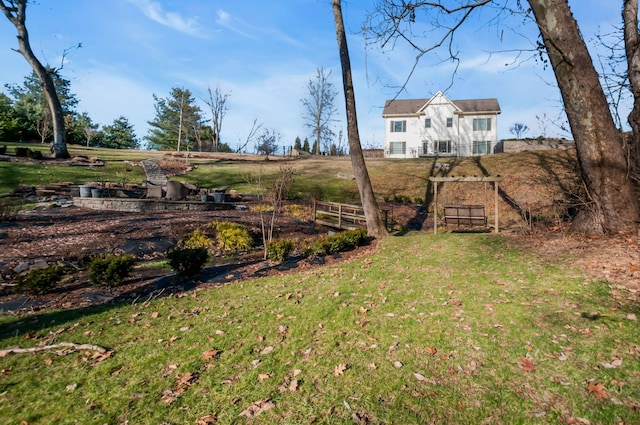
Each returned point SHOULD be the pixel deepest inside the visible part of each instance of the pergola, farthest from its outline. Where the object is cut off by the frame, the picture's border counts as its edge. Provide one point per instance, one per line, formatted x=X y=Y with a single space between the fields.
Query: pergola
x=464 y=179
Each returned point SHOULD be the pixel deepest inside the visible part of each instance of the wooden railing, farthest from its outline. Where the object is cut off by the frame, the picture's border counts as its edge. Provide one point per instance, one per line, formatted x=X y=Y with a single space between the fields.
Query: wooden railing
x=340 y=216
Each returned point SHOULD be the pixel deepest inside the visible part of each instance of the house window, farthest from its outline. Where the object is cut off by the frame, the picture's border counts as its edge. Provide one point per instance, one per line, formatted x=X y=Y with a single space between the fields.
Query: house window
x=397 y=148
x=481 y=147
x=449 y=122
x=427 y=123
x=482 y=124
x=442 y=146
x=399 y=126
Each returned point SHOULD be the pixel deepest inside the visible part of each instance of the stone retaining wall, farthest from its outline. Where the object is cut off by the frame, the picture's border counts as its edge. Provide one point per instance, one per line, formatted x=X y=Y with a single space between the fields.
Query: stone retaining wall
x=148 y=205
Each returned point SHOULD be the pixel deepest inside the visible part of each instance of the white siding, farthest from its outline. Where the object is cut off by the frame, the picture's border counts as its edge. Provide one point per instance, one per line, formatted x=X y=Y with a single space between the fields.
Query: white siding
x=438 y=109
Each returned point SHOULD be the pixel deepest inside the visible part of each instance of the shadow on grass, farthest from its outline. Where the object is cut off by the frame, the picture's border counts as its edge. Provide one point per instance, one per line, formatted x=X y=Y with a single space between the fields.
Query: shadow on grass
x=162 y=286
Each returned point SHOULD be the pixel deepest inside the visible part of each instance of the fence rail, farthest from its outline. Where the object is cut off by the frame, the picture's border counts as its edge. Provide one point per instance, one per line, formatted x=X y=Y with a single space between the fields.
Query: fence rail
x=340 y=216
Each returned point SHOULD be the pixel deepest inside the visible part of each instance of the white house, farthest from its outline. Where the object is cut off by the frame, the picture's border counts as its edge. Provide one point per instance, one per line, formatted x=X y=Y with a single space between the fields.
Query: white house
x=440 y=127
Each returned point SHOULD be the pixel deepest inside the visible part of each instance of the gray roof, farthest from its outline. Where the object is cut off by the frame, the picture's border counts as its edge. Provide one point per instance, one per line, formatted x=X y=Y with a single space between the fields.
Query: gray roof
x=412 y=106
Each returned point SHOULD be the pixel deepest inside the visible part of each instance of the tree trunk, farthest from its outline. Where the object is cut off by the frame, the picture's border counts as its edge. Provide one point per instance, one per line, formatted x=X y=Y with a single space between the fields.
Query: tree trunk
x=632 y=49
x=375 y=224
x=613 y=201
x=17 y=17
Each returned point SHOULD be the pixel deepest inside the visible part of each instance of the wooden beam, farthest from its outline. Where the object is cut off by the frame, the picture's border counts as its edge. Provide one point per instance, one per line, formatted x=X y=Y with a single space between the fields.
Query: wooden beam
x=467 y=179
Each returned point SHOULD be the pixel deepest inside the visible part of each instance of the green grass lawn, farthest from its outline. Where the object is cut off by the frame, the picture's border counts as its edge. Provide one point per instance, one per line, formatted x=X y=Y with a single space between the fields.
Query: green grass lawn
x=446 y=329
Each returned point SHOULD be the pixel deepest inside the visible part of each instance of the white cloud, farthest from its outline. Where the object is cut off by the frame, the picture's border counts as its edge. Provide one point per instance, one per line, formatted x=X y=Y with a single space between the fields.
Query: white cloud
x=153 y=10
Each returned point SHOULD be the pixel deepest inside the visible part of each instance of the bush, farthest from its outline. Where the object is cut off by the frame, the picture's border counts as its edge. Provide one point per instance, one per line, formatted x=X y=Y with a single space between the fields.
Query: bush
x=278 y=250
x=232 y=236
x=196 y=239
x=21 y=151
x=298 y=212
x=340 y=242
x=40 y=281
x=187 y=262
x=110 y=270
x=34 y=154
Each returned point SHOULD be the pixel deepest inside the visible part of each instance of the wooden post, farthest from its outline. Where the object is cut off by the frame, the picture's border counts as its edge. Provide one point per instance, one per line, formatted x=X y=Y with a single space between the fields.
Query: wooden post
x=435 y=208
x=314 y=212
x=339 y=216
x=496 y=206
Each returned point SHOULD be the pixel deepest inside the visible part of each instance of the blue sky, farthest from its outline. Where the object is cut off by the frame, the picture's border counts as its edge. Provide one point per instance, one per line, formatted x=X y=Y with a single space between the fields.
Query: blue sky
x=262 y=53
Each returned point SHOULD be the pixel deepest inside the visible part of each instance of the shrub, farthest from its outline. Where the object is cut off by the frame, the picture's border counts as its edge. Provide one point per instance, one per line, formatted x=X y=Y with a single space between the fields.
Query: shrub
x=40 y=281
x=196 y=239
x=298 y=212
x=187 y=262
x=339 y=242
x=418 y=201
x=232 y=236
x=34 y=154
x=262 y=208
x=21 y=151
x=278 y=250
x=110 y=270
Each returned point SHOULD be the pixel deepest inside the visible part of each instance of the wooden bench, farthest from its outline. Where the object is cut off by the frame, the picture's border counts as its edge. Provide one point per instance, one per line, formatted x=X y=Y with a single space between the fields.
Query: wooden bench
x=465 y=215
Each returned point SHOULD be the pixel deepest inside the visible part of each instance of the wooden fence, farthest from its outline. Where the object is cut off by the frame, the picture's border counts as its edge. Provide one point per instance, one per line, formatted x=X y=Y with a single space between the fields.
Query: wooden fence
x=340 y=216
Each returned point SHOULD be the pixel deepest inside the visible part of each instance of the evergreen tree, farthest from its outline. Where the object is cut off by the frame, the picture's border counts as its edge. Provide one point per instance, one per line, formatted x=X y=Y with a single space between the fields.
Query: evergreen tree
x=298 y=144
x=316 y=147
x=119 y=135
x=305 y=145
x=9 y=125
x=178 y=121
x=31 y=109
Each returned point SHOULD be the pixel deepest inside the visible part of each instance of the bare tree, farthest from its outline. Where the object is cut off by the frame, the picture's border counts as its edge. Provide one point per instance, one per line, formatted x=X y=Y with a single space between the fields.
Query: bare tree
x=518 y=129
x=613 y=201
x=218 y=105
x=15 y=11
x=267 y=142
x=319 y=108
x=375 y=224
x=255 y=127
x=632 y=49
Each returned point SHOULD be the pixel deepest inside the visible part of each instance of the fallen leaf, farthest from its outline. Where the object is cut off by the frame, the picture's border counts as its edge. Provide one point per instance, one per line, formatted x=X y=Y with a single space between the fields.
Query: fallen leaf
x=206 y=420
x=48 y=362
x=154 y=314
x=169 y=396
x=397 y=364
x=527 y=364
x=293 y=385
x=266 y=350
x=296 y=372
x=339 y=370
x=419 y=376
x=256 y=408
x=614 y=364
x=263 y=376
x=210 y=354
x=598 y=390
x=432 y=351
x=98 y=357
x=71 y=387
x=372 y=366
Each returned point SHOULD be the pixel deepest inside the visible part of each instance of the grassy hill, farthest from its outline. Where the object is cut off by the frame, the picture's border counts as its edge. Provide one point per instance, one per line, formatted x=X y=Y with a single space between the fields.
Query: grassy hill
x=539 y=183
